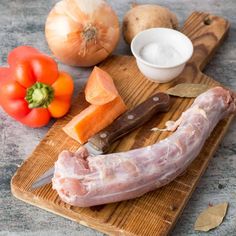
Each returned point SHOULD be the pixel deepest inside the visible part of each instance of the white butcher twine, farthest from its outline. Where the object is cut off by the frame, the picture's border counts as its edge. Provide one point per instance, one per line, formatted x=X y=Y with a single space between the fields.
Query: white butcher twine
x=160 y=54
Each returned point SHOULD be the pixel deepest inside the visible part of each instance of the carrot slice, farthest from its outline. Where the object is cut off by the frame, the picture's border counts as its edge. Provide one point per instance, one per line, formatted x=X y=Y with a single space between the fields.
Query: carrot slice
x=93 y=119
x=100 y=88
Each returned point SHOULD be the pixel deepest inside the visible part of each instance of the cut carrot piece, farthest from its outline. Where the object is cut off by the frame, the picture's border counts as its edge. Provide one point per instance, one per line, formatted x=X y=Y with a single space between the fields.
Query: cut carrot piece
x=93 y=119
x=100 y=88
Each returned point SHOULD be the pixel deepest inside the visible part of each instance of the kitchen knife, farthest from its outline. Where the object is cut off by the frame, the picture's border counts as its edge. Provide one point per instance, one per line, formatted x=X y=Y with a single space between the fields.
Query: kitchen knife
x=127 y=122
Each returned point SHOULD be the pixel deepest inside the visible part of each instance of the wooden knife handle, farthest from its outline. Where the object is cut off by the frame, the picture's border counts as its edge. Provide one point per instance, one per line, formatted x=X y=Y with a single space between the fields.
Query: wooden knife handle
x=130 y=120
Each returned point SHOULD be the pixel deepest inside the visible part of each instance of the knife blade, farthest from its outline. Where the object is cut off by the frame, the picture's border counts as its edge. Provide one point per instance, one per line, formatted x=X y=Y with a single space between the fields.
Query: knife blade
x=127 y=122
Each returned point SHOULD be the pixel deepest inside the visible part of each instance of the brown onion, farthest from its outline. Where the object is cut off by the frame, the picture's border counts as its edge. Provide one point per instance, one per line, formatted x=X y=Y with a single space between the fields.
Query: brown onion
x=82 y=32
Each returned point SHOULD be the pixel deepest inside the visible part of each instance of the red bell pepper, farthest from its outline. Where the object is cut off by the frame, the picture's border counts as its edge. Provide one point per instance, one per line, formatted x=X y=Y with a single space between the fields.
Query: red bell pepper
x=32 y=90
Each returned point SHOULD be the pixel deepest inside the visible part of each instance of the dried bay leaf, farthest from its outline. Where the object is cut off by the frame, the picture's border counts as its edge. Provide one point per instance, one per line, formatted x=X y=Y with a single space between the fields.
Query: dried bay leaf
x=211 y=217
x=188 y=90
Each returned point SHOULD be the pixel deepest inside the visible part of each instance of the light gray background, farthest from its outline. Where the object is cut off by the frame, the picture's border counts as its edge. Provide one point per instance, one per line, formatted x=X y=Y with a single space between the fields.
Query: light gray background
x=22 y=22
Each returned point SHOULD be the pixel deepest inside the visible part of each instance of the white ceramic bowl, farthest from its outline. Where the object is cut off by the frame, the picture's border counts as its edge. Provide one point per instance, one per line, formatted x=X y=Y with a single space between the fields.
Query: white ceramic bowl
x=179 y=41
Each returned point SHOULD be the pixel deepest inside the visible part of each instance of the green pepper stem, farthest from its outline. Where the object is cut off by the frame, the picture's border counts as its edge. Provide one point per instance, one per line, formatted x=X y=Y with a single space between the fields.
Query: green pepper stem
x=39 y=95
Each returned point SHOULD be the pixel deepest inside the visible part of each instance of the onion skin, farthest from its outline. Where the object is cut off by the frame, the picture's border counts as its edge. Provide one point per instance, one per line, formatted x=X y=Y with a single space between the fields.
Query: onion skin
x=82 y=32
x=142 y=17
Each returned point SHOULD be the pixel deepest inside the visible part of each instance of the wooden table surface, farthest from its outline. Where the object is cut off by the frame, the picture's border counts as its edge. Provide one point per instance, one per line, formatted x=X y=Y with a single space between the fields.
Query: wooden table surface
x=22 y=22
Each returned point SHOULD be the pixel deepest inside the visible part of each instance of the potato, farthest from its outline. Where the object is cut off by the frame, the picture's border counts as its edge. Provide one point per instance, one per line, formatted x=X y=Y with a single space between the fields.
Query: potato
x=142 y=17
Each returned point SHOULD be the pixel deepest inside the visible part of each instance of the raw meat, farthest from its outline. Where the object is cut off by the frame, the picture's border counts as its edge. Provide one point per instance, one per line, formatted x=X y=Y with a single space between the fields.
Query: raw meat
x=82 y=180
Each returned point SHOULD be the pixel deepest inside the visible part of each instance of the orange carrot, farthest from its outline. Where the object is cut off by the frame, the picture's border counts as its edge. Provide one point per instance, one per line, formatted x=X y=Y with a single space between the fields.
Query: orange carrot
x=100 y=88
x=93 y=119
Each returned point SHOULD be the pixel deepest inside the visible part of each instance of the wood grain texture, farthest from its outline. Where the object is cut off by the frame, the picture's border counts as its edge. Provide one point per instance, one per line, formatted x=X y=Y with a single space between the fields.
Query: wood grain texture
x=156 y=212
x=141 y=114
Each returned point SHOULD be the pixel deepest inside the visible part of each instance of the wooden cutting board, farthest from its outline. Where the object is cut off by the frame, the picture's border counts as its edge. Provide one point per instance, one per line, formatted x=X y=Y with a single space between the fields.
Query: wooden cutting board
x=156 y=212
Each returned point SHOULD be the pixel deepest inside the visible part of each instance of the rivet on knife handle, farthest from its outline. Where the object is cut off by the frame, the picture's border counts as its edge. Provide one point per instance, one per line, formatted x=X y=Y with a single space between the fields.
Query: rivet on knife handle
x=130 y=120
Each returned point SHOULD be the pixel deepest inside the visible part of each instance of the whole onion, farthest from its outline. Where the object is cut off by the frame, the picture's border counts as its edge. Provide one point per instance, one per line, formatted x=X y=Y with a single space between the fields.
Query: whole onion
x=82 y=32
